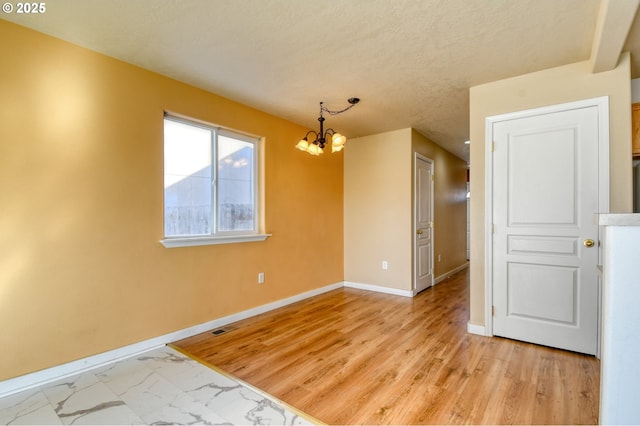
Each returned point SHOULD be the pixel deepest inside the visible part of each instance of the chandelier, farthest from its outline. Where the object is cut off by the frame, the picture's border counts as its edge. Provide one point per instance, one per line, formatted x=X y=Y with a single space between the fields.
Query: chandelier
x=337 y=140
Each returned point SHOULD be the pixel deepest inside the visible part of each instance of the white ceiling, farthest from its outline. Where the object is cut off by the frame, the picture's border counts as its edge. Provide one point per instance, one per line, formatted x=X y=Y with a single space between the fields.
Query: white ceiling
x=410 y=61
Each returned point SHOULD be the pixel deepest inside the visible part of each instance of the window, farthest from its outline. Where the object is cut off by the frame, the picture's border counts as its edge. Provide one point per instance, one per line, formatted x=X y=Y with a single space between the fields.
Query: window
x=210 y=185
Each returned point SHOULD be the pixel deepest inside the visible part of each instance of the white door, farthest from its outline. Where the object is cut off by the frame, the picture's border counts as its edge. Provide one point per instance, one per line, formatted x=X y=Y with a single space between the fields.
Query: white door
x=545 y=238
x=423 y=223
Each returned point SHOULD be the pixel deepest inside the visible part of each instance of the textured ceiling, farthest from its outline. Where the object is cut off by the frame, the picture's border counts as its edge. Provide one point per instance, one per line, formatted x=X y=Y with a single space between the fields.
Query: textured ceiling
x=410 y=61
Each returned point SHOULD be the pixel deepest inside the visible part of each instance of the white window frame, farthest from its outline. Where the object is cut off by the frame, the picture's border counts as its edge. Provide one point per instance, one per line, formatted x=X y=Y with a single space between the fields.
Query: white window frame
x=221 y=237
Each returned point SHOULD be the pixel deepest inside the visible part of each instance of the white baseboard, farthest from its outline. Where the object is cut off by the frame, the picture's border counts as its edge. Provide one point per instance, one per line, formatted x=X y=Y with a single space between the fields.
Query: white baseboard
x=451 y=272
x=42 y=377
x=38 y=378
x=379 y=289
x=476 y=329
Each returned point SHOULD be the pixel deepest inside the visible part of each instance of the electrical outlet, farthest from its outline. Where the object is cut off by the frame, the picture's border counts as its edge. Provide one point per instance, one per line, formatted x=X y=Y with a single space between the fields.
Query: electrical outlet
x=385 y=264
x=260 y=277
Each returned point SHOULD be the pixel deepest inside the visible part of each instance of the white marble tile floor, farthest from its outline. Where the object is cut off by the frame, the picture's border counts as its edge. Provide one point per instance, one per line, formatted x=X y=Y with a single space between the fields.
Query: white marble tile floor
x=159 y=387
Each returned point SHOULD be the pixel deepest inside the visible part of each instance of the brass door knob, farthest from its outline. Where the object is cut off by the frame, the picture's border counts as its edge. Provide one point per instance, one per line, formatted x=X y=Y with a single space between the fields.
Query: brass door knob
x=588 y=243
x=419 y=232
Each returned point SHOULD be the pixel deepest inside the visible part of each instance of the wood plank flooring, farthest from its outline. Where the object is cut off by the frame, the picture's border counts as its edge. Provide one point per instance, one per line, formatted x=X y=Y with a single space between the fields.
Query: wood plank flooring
x=357 y=357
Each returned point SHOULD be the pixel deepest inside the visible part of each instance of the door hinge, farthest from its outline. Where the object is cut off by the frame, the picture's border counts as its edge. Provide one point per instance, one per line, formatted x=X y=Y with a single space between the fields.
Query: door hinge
x=433 y=177
x=430 y=224
x=493 y=228
x=493 y=146
x=493 y=311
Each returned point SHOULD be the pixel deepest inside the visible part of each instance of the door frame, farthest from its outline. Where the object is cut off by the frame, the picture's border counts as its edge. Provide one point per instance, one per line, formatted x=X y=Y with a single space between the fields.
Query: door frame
x=602 y=104
x=419 y=157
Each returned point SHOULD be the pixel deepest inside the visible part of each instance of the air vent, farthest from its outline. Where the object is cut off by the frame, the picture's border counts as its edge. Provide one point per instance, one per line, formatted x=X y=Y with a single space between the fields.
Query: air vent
x=218 y=331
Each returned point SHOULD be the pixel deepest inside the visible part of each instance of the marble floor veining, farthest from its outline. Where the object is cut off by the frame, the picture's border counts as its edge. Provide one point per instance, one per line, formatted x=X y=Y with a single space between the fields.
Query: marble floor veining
x=159 y=387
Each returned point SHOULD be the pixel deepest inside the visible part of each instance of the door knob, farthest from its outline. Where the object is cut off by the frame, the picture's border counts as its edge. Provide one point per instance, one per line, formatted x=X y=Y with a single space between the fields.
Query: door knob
x=588 y=243
x=419 y=232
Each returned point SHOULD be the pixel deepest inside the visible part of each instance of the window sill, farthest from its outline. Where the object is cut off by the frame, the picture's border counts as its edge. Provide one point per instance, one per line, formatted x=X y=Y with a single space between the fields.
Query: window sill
x=207 y=241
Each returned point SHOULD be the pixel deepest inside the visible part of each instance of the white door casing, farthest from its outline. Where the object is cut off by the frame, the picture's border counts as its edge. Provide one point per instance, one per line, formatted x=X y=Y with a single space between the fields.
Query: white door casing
x=423 y=223
x=547 y=175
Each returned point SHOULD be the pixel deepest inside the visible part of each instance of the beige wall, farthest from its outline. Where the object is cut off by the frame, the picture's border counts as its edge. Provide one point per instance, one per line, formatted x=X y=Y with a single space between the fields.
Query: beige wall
x=81 y=202
x=549 y=87
x=378 y=208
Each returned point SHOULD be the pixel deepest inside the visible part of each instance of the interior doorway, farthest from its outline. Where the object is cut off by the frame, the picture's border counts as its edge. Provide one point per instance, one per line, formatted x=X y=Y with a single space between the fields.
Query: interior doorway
x=548 y=170
x=423 y=223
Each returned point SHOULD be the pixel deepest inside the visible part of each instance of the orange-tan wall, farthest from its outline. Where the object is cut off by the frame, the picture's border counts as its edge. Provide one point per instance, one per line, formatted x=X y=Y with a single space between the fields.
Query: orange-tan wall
x=81 y=209
x=378 y=208
x=548 y=87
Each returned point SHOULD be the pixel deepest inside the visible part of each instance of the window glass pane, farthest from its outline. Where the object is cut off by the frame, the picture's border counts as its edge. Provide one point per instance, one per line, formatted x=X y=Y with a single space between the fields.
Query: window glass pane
x=187 y=179
x=235 y=196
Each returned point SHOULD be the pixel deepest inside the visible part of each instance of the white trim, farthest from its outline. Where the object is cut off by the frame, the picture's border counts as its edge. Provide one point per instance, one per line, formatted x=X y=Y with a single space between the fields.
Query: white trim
x=379 y=289
x=446 y=275
x=602 y=104
x=488 y=227
x=206 y=241
x=48 y=375
x=38 y=378
x=476 y=329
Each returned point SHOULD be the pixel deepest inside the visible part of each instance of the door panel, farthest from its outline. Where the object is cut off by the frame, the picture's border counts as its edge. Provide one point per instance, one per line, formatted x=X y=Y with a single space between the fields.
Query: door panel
x=526 y=281
x=531 y=157
x=424 y=260
x=549 y=246
x=545 y=195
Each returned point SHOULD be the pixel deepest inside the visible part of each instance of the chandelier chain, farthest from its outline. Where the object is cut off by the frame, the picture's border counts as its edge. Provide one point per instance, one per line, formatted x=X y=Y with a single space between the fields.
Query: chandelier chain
x=330 y=112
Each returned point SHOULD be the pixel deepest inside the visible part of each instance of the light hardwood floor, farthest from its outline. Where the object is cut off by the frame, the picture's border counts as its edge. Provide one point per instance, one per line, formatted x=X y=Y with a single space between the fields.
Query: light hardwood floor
x=357 y=357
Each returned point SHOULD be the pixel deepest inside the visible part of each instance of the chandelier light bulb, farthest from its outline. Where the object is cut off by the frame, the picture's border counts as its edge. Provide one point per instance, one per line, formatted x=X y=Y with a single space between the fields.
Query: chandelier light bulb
x=314 y=149
x=303 y=145
x=338 y=140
